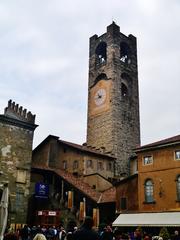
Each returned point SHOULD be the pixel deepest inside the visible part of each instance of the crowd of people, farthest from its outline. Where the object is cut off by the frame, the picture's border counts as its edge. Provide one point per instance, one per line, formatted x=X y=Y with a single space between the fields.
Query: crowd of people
x=85 y=232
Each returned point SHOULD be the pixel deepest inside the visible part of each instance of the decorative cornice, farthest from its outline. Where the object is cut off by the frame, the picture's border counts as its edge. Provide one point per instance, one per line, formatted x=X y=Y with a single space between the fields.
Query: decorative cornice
x=17 y=123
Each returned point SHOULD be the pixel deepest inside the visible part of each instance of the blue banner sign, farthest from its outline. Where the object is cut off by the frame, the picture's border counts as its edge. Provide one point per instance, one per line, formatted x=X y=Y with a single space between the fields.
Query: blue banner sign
x=41 y=190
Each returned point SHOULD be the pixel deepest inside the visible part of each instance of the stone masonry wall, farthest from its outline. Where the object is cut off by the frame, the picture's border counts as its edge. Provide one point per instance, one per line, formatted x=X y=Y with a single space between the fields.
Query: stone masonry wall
x=15 y=163
x=118 y=130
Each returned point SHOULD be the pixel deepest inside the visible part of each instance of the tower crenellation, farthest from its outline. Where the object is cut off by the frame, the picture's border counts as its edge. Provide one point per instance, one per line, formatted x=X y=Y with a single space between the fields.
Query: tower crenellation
x=15 y=111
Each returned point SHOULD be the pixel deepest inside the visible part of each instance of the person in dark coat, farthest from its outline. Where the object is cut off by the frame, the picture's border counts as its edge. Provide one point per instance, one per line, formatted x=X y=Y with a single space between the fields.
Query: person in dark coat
x=24 y=233
x=10 y=236
x=107 y=233
x=176 y=235
x=86 y=232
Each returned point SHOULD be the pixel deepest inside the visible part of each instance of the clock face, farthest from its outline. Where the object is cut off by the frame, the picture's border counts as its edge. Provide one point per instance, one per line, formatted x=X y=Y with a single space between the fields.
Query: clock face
x=100 y=96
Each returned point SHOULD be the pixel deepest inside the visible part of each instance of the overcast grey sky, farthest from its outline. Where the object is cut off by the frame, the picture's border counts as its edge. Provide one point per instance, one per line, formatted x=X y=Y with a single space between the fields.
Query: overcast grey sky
x=44 y=61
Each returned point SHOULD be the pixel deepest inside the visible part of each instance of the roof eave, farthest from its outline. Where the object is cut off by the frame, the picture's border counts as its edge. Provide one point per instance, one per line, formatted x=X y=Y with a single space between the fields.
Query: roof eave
x=146 y=148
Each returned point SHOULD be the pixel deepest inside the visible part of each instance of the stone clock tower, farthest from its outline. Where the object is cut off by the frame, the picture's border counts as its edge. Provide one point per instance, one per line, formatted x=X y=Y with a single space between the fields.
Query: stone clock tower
x=113 y=99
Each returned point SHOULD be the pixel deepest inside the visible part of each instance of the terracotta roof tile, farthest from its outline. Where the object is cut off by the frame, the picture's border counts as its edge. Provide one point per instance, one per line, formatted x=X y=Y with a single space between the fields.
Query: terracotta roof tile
x=106 y=196
x=79 y=184
x=76 y=182
x=82 y=148
x=170 y=140
x=86 y=149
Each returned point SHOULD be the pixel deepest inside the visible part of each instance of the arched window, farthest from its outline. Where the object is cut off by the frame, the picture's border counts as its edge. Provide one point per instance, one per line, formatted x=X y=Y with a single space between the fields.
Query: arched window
x=124 y=90
x=101 y=54
x=1 y=192
x=125 y=53
x=126 y=85
x=126 y=77
x=75 y=164
x=100 y=77
x=178 y=187
x=149 y=191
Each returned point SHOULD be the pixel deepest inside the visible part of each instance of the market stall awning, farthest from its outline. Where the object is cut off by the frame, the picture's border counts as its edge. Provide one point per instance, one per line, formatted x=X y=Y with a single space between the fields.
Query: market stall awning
x=148 y=219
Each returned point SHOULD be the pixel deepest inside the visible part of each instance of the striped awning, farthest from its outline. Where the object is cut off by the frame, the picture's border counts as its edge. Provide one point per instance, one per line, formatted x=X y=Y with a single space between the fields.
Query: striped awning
x=148 y=219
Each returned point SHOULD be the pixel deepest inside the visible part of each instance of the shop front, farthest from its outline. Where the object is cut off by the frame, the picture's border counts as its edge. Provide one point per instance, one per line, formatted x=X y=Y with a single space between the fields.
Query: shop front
x=47 y=218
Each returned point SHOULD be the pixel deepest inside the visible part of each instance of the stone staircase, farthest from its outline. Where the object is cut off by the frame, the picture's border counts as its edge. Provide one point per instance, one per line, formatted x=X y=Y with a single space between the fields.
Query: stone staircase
x=79 y=184
x=85 y=188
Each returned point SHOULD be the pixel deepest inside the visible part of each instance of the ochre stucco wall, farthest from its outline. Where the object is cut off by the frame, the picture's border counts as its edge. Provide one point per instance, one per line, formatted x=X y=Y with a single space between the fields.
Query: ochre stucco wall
x=163 y=173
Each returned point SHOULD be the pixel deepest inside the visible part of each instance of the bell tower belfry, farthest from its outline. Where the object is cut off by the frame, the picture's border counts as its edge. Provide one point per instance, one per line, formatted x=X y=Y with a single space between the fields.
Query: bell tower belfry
x=113 y=100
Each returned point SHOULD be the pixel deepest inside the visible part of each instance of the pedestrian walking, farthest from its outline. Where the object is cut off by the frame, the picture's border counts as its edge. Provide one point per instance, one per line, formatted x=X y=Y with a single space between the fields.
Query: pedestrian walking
x=107 y=233
x=176 y=235
x=86 y=232
x=25 y=233
x=62 y=233
x=39 y=236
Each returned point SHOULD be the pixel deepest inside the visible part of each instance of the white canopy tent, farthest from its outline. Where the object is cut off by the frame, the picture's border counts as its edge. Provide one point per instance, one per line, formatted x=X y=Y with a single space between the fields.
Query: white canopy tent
x=4 y=211
x=148 y=219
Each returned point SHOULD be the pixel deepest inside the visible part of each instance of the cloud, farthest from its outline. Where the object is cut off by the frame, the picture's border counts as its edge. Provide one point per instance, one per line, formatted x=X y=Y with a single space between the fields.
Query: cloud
x=44 y=61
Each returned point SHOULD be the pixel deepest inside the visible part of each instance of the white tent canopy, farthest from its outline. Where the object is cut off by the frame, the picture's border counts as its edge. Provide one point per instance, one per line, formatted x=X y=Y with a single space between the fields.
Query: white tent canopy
x=148 y=219
x=4 y=210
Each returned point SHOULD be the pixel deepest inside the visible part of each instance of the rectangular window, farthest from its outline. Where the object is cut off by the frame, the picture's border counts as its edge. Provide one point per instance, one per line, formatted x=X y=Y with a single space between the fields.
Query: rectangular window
x=100 y=166
x=123 y=203
x=19 y=200
x=177 y=155
x=75 y=164
x=89 y=164
x=64 y=165
x=109 y=166
x=178 y=187
x=147 y=160
x=21 y=176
